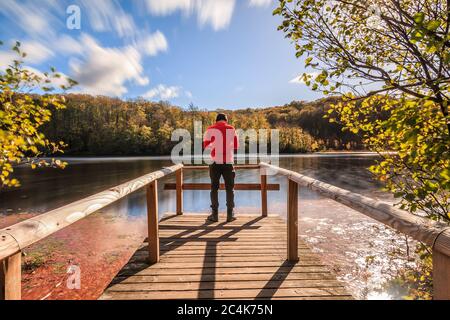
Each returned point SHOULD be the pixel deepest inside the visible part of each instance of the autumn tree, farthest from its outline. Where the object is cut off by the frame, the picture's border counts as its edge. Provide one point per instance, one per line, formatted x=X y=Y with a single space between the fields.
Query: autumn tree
x=22 y=113
x=390 y=62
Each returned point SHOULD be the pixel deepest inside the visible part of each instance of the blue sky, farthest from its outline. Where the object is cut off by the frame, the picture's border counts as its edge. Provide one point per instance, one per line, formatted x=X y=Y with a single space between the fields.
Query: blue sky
x=213 y=53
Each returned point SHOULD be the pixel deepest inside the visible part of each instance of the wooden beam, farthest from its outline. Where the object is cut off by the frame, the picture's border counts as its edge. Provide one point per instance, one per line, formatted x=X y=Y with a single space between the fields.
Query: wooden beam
x=263 y=193
x=27 y=232
x=237 y=186
x=441 y=276
x=292 y=221
x=152 y=216
x=10 y=277
x=236 y=167
x=179 y=188
x=420 y=228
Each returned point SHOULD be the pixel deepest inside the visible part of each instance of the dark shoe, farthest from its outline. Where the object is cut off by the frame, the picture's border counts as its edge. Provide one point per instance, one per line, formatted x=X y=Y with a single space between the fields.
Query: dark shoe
x=231 y=219
x=213 y=217
x=230 y=216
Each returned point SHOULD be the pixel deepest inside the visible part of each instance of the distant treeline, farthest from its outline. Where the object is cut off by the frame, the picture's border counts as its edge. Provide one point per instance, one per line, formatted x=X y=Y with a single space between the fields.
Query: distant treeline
x=110 y=126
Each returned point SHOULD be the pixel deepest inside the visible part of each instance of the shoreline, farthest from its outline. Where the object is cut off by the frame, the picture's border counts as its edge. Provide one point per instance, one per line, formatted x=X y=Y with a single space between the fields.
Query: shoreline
x=251 y=156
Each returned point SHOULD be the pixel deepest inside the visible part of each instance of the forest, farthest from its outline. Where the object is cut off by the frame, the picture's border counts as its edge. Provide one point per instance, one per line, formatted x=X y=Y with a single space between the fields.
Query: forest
x=99 y=125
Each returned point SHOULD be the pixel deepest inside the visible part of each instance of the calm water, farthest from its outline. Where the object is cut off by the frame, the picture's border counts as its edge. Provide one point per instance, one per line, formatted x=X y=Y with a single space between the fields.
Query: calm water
x=356 y=247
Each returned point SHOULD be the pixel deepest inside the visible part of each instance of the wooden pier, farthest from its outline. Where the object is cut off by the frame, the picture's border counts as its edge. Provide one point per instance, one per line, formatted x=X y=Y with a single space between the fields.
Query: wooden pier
x=254 y=257
x=245 y=259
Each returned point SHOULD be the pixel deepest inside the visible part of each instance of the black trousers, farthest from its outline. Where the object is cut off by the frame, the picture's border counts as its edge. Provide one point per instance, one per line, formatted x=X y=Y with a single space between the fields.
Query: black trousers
x=228 y=174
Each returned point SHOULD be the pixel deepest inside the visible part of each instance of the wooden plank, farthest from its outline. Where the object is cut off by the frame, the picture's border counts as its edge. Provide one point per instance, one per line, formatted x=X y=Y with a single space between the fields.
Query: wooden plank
x=224 y=226
x=264 y=194
x=129 y=270
x=194 y=218
x=279 y=243
x=225 y=237
x=152 y=215
x=441 y=276
x=260 y=240
x=221 y=224
x=137 y=258
x=179 y=188
x=232 y=252
x=200 y=215
x=200 y=264
x=230 y=294
x=232 y=256
x=223 y=285
x=10 y=277
x=292 y=230
x=237 y=186
x=225 y=262
x=165 y=278
x=219 y=234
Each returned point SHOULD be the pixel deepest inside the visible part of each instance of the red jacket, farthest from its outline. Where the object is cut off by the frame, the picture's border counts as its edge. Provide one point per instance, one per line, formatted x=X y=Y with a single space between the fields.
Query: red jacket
x=221 y=138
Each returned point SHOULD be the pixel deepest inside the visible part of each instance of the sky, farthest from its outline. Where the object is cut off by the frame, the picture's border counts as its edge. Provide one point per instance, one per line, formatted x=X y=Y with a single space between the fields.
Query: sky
x=212 y=53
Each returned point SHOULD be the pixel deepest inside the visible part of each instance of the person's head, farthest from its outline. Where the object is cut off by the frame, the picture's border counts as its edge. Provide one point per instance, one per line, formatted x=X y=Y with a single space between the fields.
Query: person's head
x=221 y=117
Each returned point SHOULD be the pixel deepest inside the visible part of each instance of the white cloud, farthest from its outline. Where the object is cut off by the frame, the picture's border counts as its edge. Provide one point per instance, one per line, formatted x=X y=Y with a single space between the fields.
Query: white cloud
x=153 y=43
x=107 y=70
x=259 y=3
x=6 y=59
x=98 y=70
x=107 y=15
x=162 y=92
x=166 y=7
x=36 y=53
x=217 y=13
x=299 y=79
x=33 y=17
x=68 y=45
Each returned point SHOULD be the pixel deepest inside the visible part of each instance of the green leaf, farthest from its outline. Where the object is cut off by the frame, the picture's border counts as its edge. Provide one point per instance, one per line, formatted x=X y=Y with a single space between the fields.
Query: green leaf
x=433 y=25
x=419 y=17
x=277 y=11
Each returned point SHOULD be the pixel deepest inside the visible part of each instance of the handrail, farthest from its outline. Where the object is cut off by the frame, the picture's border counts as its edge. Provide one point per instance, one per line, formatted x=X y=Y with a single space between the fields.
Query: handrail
x=15 y=238
x=434 y=234
x=421 y=229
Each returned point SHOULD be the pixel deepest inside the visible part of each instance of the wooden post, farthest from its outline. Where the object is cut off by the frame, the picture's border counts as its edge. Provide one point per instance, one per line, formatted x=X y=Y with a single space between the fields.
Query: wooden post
x=292 y=221
x=263 y=193
x=152 y=216
x=441 y=276
x=179 y=187
x=10 y=277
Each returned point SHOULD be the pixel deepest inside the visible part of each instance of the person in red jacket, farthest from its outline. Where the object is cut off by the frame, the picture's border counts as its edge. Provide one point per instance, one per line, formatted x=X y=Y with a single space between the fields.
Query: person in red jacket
x=221 y=140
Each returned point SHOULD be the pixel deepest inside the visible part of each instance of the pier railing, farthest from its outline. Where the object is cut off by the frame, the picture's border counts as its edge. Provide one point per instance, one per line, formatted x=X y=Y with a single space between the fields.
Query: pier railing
x=435 y=235
x=15 y=238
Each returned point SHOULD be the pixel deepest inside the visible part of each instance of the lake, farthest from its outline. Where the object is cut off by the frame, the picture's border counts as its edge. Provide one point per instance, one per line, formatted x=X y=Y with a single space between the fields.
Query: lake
x=362 y=253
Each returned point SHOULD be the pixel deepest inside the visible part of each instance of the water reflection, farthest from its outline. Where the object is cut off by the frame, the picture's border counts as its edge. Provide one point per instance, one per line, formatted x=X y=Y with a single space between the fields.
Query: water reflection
x=102 y=242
